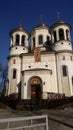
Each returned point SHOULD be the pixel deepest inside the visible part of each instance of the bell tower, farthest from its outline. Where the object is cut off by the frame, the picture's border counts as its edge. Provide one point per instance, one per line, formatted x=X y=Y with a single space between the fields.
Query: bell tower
x=60 y=33
x=18 y=45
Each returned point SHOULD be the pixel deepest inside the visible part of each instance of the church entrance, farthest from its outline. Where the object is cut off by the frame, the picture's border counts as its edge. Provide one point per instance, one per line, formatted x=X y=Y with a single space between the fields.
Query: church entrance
x=36 y=88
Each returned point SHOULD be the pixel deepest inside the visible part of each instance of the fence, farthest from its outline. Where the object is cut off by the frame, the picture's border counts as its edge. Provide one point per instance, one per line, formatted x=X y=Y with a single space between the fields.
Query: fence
x=25 y=123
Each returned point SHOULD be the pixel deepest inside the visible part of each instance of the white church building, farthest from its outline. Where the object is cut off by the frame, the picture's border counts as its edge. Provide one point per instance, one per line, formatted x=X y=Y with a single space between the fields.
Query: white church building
x=41 y=62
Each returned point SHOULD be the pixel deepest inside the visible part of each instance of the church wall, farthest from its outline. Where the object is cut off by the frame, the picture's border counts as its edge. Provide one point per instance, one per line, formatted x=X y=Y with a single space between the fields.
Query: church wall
x=61 y=45
x=65 y=83
x=46 y=70
x=46 y=78
x=16 y=50
x=14 y=63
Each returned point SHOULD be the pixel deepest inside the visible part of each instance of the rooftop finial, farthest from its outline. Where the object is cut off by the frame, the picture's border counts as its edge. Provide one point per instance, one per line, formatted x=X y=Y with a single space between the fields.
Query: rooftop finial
x=58 y=16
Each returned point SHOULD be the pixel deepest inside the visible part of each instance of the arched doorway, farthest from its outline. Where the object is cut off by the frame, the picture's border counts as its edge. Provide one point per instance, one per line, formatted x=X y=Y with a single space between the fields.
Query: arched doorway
x=35 y=88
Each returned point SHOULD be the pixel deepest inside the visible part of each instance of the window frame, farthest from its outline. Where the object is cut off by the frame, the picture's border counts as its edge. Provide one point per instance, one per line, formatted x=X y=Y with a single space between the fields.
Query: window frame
x=61 y=34
x=64 y=71
x=40 y=39
x=23 y=40
x=55 y=36
x=67 y=34
x=17 y=39
x=14 y=73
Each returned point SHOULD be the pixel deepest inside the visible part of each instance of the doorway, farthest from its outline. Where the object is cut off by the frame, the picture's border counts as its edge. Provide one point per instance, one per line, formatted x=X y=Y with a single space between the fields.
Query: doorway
x=35 y=92
x=36 y=88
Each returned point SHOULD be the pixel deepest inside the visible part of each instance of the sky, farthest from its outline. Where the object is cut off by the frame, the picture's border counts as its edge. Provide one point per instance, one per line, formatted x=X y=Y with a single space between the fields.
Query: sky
x=30 y=11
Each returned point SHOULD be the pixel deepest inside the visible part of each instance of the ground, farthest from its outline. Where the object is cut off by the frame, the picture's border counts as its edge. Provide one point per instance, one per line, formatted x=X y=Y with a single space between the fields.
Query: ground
x=58 y=119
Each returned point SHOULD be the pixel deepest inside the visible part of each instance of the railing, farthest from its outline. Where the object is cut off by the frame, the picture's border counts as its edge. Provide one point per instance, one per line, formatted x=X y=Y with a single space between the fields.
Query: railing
x=25 y=123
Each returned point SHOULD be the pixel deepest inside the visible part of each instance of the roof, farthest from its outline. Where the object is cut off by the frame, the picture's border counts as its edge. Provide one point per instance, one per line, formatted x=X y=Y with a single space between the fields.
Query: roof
x=58 y=23
x=39 y=26
x=18 y=29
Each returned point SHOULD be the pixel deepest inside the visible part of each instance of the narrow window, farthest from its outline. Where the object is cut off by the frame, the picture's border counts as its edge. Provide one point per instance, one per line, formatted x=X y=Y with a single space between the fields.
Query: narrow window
x=71 y=58
x=55 y=36
x=64 y=70
x=67 y=34
x=14 y=74
x=14 y=61
x=47 y=38
x=61 y=34
x=17 y=39
x=40 y=39
x=72 y=81
x=33 y=41
x=23 y=40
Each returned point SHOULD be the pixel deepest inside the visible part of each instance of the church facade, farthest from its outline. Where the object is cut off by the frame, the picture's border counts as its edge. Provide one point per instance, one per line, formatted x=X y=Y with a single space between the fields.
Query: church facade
x=40 y=62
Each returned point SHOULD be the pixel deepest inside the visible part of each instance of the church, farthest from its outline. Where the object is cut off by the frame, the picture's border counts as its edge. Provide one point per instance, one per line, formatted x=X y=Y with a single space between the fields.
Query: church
x=41 y=61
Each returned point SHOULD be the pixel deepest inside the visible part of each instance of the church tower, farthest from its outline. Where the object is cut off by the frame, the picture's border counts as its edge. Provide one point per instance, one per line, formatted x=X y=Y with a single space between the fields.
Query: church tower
x=60 y=32
x=39 y=35
x=18 y=45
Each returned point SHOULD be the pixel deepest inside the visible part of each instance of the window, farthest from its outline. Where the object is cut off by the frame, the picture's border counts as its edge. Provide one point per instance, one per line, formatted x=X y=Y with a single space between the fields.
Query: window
x=55 y=37
x=47 y=38
x=14 y=74
x=40 y=39
x=33 y=41
x=61 y=34
x=72 y=81
x=63 y=57
x=67 y=34
x=23 y=40
x=14 y=61
x=17 y=39
x=64 y=70
x=71 y=58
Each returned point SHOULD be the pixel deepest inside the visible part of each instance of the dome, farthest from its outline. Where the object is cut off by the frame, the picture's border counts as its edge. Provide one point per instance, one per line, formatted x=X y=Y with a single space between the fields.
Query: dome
x=18 y=29
x=42 y=26
x=39 y=26
x=58 y=23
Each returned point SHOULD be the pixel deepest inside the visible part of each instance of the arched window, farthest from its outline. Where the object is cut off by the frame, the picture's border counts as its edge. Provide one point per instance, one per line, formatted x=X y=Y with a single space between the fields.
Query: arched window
x=23 y=40
x=14 y=73
x=72 y=81
x=33 y=41
x=47 y=38
x=64 y=70
x=67 y=34
x=17 y=39
x=40 y=39
x=61 y=34
x=55 y=36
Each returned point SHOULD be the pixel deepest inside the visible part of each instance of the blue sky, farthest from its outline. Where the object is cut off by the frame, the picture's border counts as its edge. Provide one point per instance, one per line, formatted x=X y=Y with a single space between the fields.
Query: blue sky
x=30 y=11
